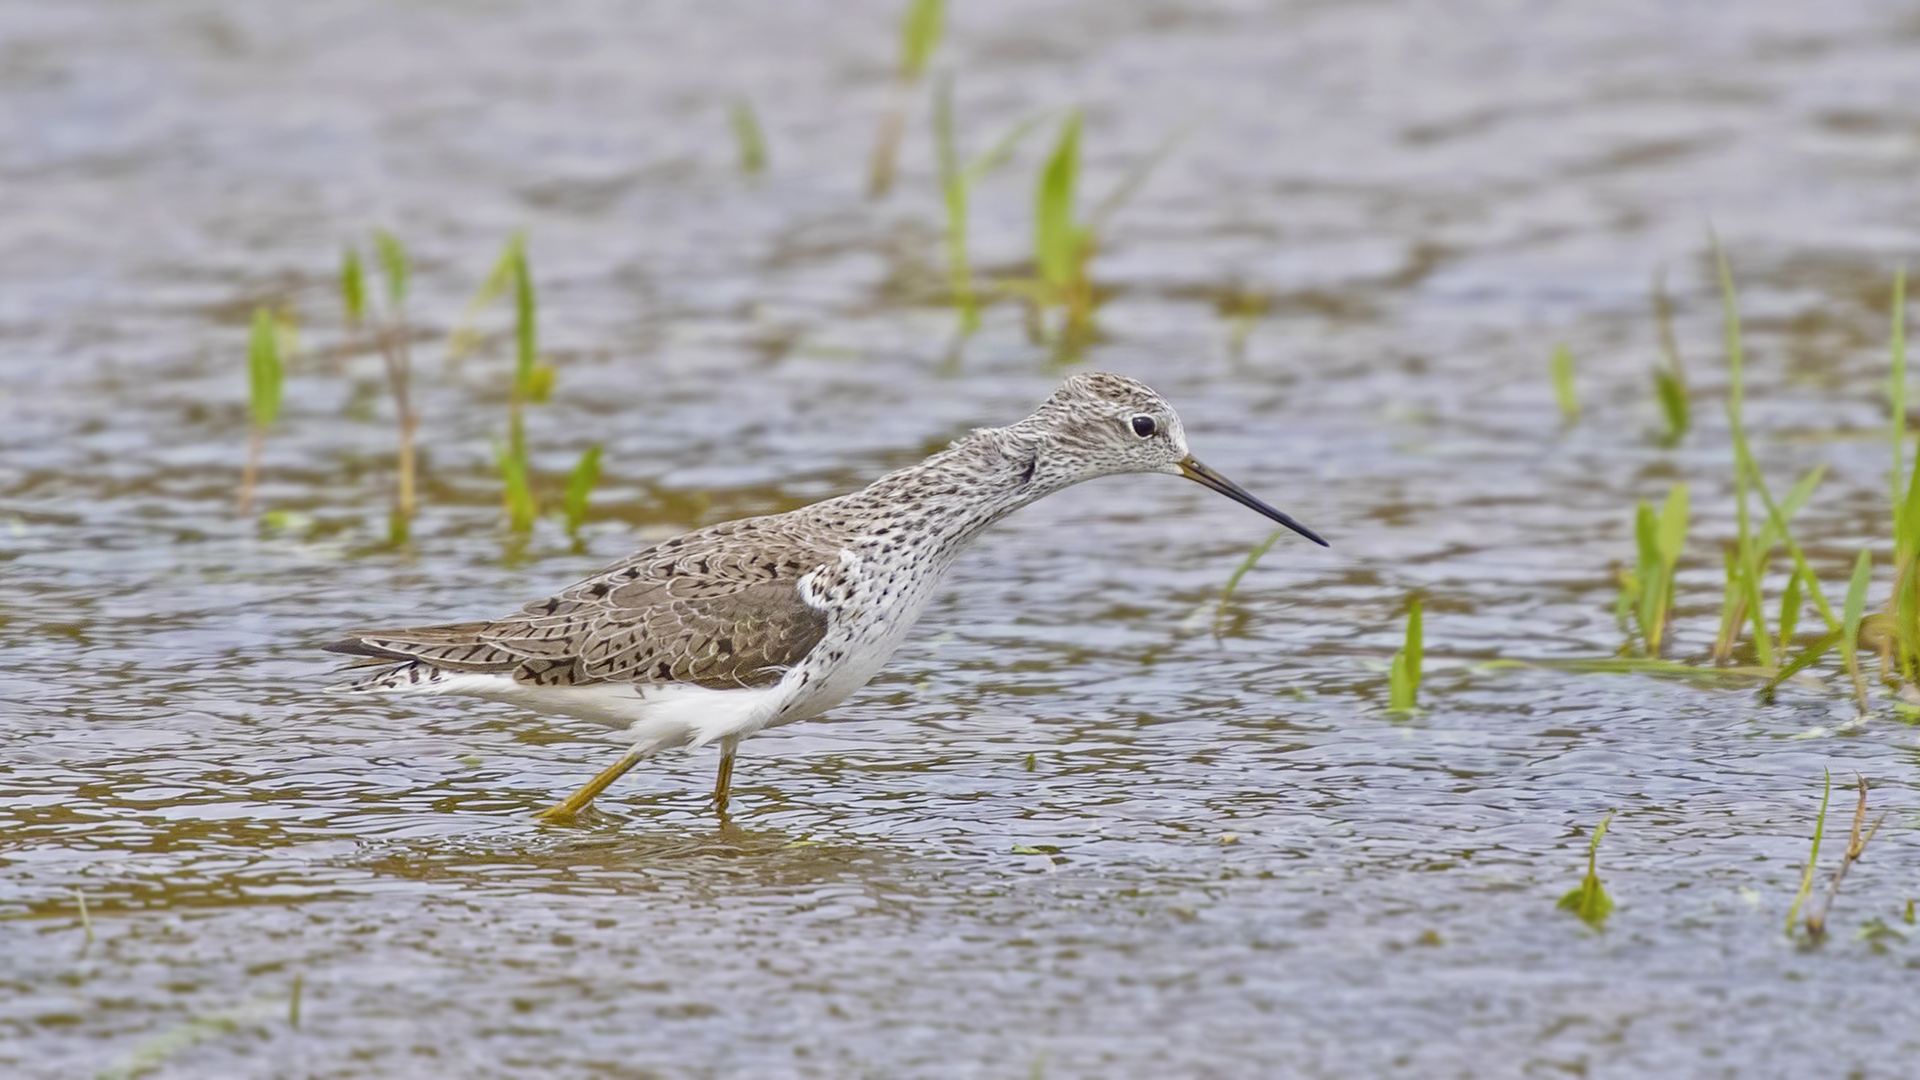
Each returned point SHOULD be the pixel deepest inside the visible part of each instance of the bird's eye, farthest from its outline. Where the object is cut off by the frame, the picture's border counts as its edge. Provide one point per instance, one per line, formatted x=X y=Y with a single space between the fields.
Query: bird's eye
x=1144 y=426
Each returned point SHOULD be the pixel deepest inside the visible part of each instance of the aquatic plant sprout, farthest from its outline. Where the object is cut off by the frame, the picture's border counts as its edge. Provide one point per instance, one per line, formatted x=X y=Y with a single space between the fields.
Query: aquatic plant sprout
x=1403 y=677
x=1646 y=592
x=580 y=487
x=956 y=190
x=1589 y=900
x=1561 y=368
x=747 y=137
x=392 y=337
x=265 y=374
x=920 y=34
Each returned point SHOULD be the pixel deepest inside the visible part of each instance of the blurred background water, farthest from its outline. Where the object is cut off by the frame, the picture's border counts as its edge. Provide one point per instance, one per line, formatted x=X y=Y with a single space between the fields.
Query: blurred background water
x=1070 y=831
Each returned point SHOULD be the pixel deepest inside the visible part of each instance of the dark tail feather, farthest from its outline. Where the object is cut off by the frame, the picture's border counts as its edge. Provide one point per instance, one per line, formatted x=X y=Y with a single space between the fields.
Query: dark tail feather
x=454 y=647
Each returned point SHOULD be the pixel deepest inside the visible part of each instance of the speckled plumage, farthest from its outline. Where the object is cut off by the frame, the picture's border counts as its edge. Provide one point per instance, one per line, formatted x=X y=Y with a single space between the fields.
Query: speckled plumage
x=743 y=625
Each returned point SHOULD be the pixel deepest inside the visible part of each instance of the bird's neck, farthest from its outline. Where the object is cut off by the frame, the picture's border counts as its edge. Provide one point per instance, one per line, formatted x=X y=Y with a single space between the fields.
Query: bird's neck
x=946 y=500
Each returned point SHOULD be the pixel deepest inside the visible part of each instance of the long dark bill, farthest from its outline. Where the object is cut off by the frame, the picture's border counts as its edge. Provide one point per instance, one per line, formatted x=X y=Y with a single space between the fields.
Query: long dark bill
x=1192 y=469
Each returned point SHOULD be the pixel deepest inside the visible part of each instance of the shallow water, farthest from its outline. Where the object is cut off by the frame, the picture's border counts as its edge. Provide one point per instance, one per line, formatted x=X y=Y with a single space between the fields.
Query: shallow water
x=1069 y=832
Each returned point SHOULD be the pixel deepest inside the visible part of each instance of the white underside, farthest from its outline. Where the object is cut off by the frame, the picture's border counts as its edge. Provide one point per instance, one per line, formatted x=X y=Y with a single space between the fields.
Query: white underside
x=657 y=717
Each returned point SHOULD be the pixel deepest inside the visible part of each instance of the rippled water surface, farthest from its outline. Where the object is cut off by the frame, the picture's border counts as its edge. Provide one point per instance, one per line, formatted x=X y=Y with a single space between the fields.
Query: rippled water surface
x=1070 y=831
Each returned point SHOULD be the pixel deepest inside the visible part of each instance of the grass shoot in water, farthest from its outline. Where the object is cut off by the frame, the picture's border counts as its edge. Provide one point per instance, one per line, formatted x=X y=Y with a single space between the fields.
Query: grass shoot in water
x=1856 y=606
x=920 y=34
x=264 y=376
x=1403 y=678
x=746 y=134
x=1857 y=839
x=580 y=487
x=1063 y=243
x=1903 y=643
x=1589 y=900
x=1646 y=592
x=956 y=189
x=1752 y=550
x=1813 y=856
x=465 y=337
x=1561 y=366
x=1233 y=580
x=392 y=336
x=1669 y=376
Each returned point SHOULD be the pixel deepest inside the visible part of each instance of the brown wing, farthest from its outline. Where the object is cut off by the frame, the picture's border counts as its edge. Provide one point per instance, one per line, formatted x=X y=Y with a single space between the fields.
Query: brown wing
x=720 y=608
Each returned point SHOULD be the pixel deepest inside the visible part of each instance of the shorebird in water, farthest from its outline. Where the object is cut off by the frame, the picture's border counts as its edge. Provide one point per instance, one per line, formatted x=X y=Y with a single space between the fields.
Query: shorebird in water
x=724 y=632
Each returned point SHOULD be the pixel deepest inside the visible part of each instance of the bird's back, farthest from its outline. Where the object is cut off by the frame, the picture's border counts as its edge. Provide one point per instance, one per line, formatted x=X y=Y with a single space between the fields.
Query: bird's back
x=718 y=608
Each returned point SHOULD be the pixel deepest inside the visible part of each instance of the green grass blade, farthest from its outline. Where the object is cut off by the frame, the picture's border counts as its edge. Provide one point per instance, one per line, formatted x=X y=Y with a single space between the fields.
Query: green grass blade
x=525 y=325
x=1561 y=366
x=746 y=134
x=1589 y=901
x=1672 y=395
x=1673 y=526
x=517 y=488
x=954 y=185
x=353 y=287
x=1246 y=564
x=580 y=487
x=264 y=371
x=504 y=272
x=1057 y=237
x=920 y=36
x=1850 y=623
x=1663 y=323
x=394 y=265
x=1403 y=685
x=1897 y=404
x=1790 y=611
x=1647 y=575
x=1808 y=657
x=1813 y=857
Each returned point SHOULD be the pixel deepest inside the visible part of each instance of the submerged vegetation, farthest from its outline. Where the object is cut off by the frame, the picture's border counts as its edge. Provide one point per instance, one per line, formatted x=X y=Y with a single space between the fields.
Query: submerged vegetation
x=1589 y=900
x=1760 y=634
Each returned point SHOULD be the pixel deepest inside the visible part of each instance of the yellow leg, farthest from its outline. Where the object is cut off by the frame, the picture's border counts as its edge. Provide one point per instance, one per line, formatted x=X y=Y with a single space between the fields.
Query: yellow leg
x=724 y=781
x=576 y=802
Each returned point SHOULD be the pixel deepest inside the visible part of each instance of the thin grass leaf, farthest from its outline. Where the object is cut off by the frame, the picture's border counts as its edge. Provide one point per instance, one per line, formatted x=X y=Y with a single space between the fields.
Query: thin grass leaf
x=746 y=133
x=955 y=189
x=1669 y=377
x=1561 y=366
x=580 y=487
x=1403 y=679
x=516 y=488
x=1057 y=238
x=353 y=287
x=1790 y=612
x=1850 y=624
x=526 y=330
x=1233 y=580
x=1897 y=400
x=1815 y=649
x=1672 y=395
x=462 y=339
x=264 y=369
x=394 y=266
x=1589 y=901
x=920 y=35
x=1813 y=857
